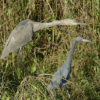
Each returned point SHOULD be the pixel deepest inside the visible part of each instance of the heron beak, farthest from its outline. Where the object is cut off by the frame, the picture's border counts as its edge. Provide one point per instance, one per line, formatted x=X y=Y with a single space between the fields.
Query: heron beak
x=84 y=40
x=79 y=23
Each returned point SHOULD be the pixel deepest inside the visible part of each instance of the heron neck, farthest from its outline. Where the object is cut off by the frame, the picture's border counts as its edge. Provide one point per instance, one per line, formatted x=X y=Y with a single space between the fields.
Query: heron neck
x=73 y=48
x=69 y=58
x=39 y=26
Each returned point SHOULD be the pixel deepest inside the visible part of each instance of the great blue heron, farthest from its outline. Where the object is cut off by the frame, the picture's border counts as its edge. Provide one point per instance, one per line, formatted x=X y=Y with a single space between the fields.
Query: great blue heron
x=62 y=75
x=23 y=32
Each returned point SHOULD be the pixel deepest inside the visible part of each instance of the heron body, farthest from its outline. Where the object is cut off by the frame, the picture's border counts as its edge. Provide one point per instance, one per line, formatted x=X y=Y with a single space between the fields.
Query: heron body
x=18 y=37
x=23 y=33
x=63 y=73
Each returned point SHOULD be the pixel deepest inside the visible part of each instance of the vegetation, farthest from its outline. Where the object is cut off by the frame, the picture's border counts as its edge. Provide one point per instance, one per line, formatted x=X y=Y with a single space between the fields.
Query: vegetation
x=49 y=49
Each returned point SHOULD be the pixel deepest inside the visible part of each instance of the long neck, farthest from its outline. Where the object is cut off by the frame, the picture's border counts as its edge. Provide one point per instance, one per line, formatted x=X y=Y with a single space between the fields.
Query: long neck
x=39 y=26
x=69 y=58
x=72 y=49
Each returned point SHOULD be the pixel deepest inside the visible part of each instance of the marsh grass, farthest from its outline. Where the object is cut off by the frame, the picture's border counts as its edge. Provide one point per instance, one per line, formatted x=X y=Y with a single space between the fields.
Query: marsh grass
x=49 y=49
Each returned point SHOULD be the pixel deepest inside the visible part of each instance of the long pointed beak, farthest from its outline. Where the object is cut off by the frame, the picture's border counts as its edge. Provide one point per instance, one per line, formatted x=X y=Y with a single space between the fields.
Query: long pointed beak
x=69 y=21
x=84 y=40
x=79 y=23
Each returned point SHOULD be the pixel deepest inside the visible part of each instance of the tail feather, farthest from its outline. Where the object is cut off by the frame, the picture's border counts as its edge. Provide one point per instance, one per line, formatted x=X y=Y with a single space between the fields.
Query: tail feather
x=4 y=53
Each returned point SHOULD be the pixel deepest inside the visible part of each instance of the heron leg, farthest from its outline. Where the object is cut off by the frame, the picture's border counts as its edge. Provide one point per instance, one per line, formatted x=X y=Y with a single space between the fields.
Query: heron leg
x=23 y=68
x=20 y=56
x=21 y=62
x=65 y=86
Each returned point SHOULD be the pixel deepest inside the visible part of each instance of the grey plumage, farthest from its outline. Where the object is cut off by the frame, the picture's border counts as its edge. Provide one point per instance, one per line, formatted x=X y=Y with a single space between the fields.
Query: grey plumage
x=19 y=36
x=63 y=73
x=23 y=33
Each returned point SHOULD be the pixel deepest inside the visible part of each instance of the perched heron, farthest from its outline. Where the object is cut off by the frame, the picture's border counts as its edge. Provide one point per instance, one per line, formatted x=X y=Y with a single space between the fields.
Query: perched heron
x=62 y=75
x=23 y=32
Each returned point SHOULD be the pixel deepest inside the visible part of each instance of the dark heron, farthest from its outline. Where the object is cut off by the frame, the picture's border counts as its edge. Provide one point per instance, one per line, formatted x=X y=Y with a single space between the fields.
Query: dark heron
x=23 y=33
x=62 y=75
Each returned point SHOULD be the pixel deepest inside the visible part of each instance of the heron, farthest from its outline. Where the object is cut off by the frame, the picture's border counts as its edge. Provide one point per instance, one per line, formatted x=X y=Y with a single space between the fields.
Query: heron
x=23 y=33
x=63 y=73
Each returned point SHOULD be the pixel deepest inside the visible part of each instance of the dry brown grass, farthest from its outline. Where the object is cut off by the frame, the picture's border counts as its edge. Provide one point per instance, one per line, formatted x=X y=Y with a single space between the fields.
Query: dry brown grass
x=49 y=49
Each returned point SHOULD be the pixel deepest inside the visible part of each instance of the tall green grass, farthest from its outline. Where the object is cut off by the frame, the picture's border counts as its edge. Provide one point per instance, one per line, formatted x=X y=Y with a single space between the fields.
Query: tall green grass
x=49 y=49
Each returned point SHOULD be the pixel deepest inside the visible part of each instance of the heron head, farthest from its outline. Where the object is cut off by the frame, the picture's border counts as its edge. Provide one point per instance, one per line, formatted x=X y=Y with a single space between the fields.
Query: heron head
x=69 y=21
x=81 y=39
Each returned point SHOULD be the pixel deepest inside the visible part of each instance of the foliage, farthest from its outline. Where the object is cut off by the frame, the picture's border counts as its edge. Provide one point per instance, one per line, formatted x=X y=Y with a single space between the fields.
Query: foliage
x=49 y=49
